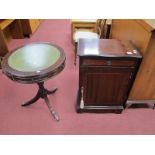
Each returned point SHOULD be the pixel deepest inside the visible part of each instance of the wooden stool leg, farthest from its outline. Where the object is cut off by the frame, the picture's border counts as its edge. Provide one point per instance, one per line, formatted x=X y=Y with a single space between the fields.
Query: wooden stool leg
x=75 y=50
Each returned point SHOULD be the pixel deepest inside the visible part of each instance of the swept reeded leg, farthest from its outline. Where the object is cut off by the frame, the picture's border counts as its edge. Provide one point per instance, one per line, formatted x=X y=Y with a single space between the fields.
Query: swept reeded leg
x=51 y=91
x=42 y=93
x=54 y=114
x=34 y=99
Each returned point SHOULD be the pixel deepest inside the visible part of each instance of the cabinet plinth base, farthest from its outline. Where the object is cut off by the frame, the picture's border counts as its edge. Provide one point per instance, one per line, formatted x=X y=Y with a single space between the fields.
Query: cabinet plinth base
x=97 y=109
x=103 y=109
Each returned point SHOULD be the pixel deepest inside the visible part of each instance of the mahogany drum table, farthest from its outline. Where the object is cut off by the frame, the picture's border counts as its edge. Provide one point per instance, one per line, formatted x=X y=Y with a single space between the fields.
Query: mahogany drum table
x=35 y=63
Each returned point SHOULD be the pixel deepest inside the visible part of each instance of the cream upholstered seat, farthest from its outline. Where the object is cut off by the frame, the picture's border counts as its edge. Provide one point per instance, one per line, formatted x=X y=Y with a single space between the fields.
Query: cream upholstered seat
x=86 y=33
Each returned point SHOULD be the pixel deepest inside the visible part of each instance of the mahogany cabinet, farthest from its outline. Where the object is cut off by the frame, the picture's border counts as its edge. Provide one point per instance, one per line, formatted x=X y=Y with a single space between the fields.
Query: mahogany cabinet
x=107 y=68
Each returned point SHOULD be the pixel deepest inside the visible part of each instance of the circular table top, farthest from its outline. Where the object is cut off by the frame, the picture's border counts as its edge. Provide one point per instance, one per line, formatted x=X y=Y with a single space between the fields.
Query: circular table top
x=37 y=61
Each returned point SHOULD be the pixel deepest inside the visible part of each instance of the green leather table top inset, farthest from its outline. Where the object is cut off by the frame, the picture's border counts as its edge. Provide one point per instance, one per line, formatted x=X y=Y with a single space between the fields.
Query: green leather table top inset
x=34 y=57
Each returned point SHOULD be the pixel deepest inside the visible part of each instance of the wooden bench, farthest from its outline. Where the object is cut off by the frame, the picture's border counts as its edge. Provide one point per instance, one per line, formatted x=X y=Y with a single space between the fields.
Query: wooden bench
x=9 y=28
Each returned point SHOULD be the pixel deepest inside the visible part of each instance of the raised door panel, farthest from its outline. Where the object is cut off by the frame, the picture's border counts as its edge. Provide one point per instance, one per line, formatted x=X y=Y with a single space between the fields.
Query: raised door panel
x=105 y=86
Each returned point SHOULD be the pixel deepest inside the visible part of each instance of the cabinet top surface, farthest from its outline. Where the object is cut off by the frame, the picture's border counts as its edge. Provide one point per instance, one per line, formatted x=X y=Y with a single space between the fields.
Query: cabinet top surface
x=107 y=48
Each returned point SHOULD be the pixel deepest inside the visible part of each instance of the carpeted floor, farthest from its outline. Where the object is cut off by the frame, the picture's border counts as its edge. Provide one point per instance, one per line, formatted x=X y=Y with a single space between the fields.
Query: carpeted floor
x=36 y=118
